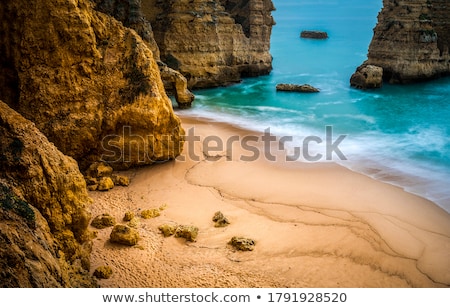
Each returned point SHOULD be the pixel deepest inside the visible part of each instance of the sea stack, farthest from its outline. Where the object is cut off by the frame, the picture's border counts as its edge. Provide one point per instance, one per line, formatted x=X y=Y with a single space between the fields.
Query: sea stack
x=411 y=42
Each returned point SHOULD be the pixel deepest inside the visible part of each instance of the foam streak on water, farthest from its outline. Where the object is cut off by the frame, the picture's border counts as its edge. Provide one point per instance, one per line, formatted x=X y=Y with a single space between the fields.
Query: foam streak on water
x=398 y=134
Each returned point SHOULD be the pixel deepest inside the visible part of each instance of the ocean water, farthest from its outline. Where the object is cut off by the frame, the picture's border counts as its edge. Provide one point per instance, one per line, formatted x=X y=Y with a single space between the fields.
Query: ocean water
x=397 y=134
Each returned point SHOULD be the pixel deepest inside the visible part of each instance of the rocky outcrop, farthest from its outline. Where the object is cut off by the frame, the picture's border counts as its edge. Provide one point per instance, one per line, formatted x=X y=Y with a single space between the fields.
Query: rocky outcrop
x=411 y=40
x=124 y=235
x=89 y=84
x=213 y=43
x=129 y=12
x=44 y=240
x=367 y=77
x=312 y=34
x=303 y=88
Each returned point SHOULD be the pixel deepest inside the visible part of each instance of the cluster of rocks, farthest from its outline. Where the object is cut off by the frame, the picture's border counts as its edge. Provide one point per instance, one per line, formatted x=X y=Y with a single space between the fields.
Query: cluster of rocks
x=99 y=176
x=187 y=232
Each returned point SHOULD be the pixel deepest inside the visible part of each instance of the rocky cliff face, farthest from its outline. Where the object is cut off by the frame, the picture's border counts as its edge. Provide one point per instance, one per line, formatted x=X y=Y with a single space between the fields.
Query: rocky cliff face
x=129 y=12
x=411 y=41
x=44 y=240
x=89 y=84
x=213 y=43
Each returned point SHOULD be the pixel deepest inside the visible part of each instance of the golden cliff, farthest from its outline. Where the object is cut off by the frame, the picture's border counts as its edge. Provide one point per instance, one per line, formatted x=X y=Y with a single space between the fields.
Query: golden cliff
x=44 y=240
x=89 y=84
x=411 y=40
x=213 y=43
x=129 y=12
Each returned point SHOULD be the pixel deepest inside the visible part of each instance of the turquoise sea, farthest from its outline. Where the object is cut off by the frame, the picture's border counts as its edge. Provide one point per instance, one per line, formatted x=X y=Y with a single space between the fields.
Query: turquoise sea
x=398 y=134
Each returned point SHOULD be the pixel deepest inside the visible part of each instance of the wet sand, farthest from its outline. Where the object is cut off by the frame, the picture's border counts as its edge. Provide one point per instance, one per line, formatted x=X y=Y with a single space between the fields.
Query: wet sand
x=315 y=225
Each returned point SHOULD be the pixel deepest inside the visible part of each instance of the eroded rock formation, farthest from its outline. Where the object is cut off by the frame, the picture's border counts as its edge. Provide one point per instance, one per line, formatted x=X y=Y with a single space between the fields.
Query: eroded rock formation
x=411 y=40
x=367 y=77
x=129 y=12
x=44 y=240
x=89 y=84
x=213 y=43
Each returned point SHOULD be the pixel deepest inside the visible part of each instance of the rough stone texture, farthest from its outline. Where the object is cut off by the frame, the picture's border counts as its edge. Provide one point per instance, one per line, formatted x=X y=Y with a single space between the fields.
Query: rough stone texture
x=98 y=170
x=189 y=233
x=243 y=244
x=103 y=272
x=89 y=84
x=124 y=235
x=367 y=77
x=220 y=220
x=129 y=12
x=175 y=83
x=103 y=221
x=213 y=43
x=128 y=216
x=105 y=183
x=411 y=40
x=314 y=34
x=120 y=180
x=304 y=88
x=44 y=239
x=150 y=213
x=167 y=229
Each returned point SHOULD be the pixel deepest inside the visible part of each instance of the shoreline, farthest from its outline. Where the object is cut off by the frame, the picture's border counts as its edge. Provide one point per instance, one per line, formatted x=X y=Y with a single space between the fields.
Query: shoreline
x=315 y=225
x=409 y=182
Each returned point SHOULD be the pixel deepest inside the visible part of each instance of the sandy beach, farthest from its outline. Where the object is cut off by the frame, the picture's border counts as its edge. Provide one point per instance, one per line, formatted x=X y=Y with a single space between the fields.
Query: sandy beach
x=314 y=225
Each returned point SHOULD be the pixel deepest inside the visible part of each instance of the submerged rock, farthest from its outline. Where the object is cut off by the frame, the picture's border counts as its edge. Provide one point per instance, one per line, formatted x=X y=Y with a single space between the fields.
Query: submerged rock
x=304 y=88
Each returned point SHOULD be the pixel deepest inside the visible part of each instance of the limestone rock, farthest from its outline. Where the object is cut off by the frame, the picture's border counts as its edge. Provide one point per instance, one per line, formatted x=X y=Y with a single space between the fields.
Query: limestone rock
x=314 y=34
x=304 y=88
x=124 y=235
x=213 y=43
x=167 y=229
x=98 y=170
x=189 y=233
x=91 y=85
x=175 y=83
x=44 y=210
x=128 y=216
x=220 y=220
x=120 y=180
x=367 y=77
x=129 y=12
x=105 y=184
x=103 y=272
x=411 y=40
x=243 y=244
x=150 y=213
x=103 y=221
x=134 y=222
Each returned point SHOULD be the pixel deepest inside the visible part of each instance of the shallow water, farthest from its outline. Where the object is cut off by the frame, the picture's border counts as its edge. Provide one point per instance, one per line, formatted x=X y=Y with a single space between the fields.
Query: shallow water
x=398 y=134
